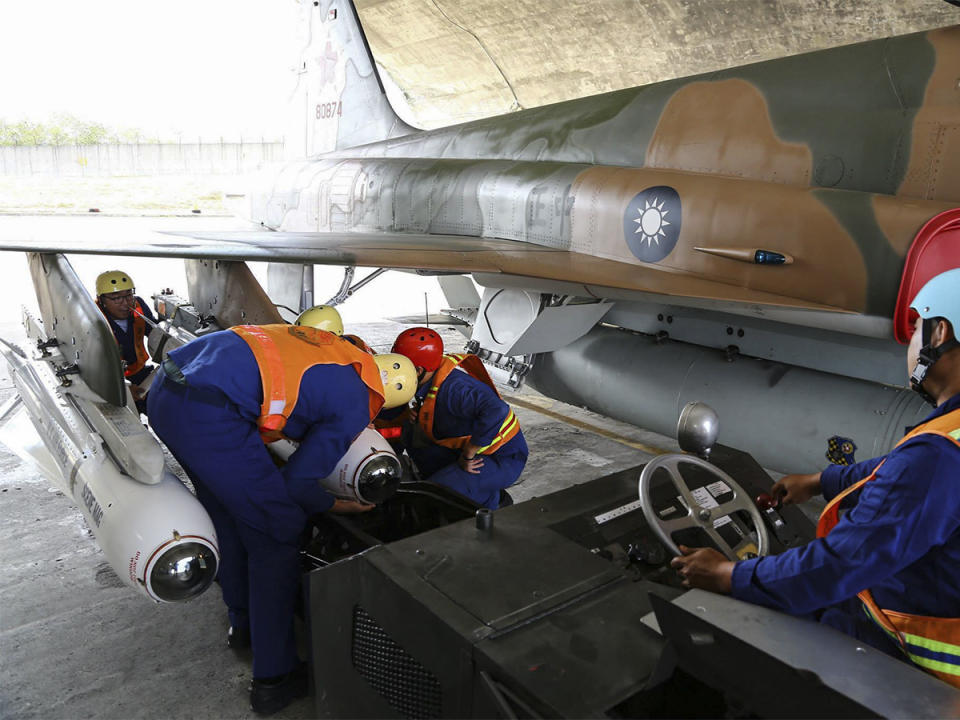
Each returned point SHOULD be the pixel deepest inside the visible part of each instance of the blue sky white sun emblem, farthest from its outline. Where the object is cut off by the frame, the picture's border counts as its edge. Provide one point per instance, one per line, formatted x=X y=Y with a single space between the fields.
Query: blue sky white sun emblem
x=651 y=224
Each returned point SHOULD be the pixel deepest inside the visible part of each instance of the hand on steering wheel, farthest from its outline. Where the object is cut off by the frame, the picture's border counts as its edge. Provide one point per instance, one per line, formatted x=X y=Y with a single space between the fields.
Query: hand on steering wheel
x=696 y=515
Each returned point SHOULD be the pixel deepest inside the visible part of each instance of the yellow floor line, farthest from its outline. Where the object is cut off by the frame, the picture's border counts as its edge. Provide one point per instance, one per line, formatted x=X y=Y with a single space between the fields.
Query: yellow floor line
x=588 y=427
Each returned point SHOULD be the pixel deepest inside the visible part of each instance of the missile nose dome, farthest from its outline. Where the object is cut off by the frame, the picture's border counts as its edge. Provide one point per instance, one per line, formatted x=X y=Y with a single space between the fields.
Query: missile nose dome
x=182 y=572
x=379 y=478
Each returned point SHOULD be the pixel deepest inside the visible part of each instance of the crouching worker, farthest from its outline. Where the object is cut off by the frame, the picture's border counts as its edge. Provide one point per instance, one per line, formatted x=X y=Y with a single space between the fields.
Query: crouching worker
x=473 y=440
x=215 y=403
x=125 y=313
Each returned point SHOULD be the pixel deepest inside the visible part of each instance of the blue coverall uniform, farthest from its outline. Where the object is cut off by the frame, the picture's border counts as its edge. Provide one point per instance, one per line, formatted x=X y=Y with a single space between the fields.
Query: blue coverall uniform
x=901 y=539
x=467 y=406
x=125 y=338
x=258 y=510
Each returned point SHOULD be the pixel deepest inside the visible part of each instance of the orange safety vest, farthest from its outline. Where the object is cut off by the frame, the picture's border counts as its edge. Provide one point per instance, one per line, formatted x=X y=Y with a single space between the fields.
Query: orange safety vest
x=284 y=353
x=474 y=368
x=912 y=632
x=139 y=333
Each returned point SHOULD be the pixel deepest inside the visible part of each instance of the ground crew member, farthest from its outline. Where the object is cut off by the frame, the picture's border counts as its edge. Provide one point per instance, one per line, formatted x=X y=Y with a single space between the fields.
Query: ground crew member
x=900 y=538
x=215 y=403
x=326 y=317
x=474 y=444
x=125 y=313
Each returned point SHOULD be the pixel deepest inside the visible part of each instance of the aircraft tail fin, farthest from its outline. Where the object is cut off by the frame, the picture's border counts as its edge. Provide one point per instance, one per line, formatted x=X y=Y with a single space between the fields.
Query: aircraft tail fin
x=339 y=100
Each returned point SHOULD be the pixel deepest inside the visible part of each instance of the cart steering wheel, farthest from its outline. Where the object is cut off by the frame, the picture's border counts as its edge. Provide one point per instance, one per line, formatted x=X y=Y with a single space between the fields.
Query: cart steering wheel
x=698 y=516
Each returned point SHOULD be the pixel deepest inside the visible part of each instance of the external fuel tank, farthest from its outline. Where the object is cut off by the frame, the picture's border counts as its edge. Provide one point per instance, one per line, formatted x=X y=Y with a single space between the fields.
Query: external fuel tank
x=782 y=414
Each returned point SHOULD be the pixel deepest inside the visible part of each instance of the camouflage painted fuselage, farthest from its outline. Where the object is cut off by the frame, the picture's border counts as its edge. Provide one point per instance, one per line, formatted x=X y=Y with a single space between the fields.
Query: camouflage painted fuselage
x=833 y=160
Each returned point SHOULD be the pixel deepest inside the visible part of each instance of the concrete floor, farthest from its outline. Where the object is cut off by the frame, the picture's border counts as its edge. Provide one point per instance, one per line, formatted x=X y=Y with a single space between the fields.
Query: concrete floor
x=76 y=643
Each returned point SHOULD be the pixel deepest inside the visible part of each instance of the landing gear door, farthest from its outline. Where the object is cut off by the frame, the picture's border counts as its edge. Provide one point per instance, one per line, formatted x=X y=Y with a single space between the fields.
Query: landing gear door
x=228 y=292
x=290 y=285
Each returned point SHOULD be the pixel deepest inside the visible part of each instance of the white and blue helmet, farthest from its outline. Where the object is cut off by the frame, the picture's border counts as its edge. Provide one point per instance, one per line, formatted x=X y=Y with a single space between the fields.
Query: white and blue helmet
x=939 y=298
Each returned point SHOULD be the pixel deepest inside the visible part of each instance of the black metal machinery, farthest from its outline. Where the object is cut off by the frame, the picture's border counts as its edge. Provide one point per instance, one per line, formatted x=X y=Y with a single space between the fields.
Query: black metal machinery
x=545 y=609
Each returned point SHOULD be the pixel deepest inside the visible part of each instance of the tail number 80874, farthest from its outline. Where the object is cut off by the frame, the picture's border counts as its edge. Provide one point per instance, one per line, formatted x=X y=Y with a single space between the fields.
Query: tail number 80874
x=325 y=111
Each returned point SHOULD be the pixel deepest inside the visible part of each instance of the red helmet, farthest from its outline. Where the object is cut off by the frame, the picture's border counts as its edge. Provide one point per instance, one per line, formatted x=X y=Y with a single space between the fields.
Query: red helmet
x=422 y=345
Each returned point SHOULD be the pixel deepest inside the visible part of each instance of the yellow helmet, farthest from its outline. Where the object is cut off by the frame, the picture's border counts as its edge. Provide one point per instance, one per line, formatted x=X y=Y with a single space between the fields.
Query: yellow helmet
x=399 y=378
x=321 y=317
x=113 y=281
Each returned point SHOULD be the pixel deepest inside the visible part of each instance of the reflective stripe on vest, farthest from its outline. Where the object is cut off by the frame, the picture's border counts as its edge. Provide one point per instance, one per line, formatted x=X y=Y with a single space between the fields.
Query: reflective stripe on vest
x=139 y=326
x=932 y=643
x=938 y=657
x=285 y=352
x=473 y=366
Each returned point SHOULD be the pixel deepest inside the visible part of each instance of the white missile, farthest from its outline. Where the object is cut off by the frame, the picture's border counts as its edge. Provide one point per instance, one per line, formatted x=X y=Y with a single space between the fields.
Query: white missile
x=369 y=472
x=154 y=533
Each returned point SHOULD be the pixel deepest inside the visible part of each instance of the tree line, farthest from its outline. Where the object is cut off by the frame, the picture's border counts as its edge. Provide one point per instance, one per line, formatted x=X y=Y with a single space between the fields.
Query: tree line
x=64 y=129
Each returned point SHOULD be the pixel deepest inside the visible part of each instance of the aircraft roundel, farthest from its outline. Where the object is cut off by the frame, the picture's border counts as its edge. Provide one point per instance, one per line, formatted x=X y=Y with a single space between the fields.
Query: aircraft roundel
x=651 y=223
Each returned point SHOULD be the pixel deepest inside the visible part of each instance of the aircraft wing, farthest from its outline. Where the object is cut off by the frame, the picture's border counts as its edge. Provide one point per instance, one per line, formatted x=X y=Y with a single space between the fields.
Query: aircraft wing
x=592 y=276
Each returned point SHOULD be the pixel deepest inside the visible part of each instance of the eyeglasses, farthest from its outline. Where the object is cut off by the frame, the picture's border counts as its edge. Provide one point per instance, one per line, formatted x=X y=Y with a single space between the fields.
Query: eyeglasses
x=119 y=298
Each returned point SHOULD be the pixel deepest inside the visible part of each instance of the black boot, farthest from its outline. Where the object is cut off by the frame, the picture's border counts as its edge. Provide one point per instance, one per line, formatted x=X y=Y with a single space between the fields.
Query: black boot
x=506 y=500
x=270 y=695
x=238 y=638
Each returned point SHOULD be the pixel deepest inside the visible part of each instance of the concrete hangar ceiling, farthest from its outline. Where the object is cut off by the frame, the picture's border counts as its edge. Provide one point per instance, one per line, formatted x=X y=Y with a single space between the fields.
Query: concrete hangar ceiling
x=450 y=61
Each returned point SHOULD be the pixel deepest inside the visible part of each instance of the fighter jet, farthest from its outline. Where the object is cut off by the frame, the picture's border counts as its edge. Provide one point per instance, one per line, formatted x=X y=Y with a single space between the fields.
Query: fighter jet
x=747 y=238
x=740 y=238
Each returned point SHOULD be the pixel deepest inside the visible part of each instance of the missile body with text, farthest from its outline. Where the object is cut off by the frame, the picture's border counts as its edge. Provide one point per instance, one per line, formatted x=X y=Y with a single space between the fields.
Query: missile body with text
x=154 y=533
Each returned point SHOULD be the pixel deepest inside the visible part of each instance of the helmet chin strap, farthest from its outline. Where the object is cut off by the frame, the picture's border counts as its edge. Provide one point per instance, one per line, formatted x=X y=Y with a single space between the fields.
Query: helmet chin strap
x=926 y=359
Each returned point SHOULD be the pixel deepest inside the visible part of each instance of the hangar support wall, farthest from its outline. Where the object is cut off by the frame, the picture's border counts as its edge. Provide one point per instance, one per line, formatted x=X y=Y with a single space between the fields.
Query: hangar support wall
x=451 y=61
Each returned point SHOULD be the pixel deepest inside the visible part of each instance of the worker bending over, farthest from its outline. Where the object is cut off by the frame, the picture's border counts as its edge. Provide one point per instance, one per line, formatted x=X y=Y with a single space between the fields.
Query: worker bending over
x=215 y=403
x=888 y=571
x=471 y=440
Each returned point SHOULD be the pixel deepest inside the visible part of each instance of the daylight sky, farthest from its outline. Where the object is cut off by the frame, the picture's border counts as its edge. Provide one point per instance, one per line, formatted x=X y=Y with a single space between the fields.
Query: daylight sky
x=200 y=67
